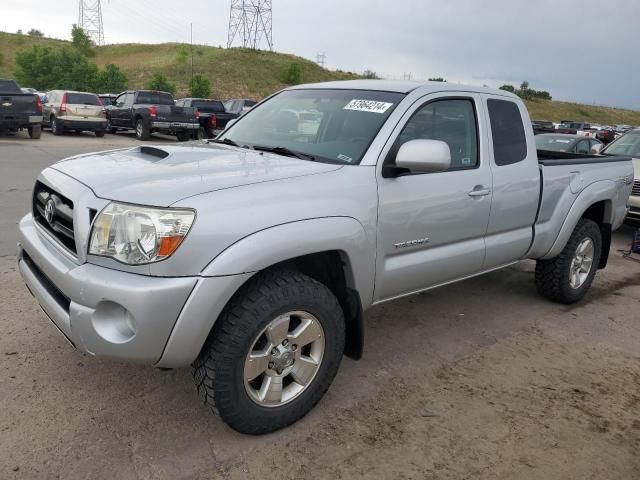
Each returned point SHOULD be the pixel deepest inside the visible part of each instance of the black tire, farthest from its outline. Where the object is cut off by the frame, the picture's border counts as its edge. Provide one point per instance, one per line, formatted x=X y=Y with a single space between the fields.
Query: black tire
x=35 y=132
x=99 y=133
x=553 y=276
x=183 y=136
x=143 y=132
x=200 y=134
x=218 y=371
x=110 y=129
x=56 y=126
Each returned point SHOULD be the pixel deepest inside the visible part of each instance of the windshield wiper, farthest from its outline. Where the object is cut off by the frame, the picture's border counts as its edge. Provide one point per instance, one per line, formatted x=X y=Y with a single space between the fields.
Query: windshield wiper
x=284 y=151
x=225 y=141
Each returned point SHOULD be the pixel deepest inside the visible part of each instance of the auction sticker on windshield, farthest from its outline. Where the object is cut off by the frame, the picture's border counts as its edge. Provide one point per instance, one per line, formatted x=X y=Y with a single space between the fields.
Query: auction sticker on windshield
x=368 y=106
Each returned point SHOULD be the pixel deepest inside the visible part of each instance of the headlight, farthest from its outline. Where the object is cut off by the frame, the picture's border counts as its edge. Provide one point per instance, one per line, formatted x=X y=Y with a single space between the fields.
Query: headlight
x=138 y=235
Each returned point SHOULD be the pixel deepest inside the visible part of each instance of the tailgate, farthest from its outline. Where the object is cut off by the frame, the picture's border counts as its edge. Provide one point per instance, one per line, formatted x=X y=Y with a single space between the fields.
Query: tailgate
x=173 y=114
x=17 y=106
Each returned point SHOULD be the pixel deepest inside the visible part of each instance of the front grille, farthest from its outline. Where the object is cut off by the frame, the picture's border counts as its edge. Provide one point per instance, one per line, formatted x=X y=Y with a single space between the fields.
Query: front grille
x=54 y=212
x=635 y=190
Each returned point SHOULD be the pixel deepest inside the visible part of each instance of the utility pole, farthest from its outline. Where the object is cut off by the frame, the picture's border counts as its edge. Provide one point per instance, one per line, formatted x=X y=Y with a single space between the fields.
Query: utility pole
x=321 y=59
x=191 y=43
x=90 y=20
x=251 y=21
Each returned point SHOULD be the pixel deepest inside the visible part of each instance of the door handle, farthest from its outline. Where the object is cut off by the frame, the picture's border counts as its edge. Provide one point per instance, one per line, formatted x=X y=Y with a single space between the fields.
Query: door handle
x=479 y=191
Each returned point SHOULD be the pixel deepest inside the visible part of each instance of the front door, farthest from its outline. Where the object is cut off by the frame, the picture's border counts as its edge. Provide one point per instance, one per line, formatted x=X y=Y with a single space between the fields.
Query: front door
x=432 y=226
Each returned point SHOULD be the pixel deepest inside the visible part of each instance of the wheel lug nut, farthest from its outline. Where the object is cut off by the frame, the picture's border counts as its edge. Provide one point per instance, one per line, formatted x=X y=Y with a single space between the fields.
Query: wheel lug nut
x=274 y=352
x=285 y=342
x=294 y=347
x=271 y=365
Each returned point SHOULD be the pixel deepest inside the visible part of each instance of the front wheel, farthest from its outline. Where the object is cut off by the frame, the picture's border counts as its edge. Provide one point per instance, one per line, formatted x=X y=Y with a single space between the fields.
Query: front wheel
x=567 y=278
x=183 y=136
x=273 y=352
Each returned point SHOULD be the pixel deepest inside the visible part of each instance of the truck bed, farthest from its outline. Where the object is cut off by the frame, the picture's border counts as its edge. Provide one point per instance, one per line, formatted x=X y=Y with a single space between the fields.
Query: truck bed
x=551 y=158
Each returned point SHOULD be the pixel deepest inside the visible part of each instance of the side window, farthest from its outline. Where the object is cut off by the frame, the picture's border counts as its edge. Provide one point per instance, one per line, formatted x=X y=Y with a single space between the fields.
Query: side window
x=451 y=121
x=507 y=130
x=129 y=99
x=583 y=147
x=120 y=100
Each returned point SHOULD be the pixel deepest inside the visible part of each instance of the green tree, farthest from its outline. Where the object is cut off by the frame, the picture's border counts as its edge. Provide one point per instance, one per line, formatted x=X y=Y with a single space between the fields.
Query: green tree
x=161 y=83
x=81 y=41
x=200 y=86
x=438 y=79
x=370 y=74
x=508 y=88
x=46 y=69
x=111 y=80
x=293 y=75
x=35 y=33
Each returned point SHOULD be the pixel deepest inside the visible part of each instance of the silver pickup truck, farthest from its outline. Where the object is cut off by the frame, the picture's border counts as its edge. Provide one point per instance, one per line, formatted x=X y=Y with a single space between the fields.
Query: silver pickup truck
x=252 y=258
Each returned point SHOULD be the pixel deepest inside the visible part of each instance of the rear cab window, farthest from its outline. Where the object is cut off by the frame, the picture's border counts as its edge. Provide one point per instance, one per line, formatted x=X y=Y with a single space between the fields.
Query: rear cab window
x=155 y=98
x=507 y=131
x=208 y=106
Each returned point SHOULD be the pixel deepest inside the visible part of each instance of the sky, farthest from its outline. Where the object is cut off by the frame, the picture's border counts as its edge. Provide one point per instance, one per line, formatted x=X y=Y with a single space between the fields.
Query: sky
x=579 y=50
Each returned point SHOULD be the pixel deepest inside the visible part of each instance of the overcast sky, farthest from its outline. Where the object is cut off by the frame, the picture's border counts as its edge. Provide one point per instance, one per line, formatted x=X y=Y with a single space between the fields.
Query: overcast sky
x=580 y=50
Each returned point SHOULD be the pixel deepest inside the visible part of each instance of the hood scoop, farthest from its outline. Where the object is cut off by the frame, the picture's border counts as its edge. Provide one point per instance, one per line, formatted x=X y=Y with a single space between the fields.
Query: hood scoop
x=154 y=152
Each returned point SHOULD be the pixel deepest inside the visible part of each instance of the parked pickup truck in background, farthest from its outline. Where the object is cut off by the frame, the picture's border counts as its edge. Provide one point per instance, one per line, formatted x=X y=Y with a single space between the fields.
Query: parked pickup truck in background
x=628 y=145
x=19 y=110
x=212 y=114
x=253 y=258
x=239 y=106
x=147 y=112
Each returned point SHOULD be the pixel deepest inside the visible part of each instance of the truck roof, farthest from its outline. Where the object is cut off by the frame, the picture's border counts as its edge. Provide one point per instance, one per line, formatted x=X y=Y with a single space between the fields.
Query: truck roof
x=402 y=86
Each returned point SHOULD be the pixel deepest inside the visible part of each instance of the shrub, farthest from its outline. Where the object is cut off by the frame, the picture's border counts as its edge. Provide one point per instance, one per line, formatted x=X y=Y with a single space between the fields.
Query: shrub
x=293 y=75
x=111 y=80
x=161 y=83
x=200 y=86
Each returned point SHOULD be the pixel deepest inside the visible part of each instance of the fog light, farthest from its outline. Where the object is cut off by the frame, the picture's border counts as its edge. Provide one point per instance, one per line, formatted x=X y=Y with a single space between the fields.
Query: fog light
x=113 y=322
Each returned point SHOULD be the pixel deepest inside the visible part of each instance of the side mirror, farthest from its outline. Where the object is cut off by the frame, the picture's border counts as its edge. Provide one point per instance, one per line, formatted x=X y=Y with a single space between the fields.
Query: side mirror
x=230 y=123
x=424 y=156
x=597 y=148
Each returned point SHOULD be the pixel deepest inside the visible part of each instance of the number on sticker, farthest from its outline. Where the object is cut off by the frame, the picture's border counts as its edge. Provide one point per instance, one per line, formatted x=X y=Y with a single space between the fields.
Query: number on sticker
x=368 y=106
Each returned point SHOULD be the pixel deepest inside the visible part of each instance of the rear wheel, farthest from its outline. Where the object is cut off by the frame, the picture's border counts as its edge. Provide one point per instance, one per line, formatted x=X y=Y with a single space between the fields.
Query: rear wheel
x=567 y=278
x=99 y=133
x=35 y=132
x=110 y=128
x=183 y=136
x=56 y=126
x=273 y=352
x=200 y=134
x=143 y=132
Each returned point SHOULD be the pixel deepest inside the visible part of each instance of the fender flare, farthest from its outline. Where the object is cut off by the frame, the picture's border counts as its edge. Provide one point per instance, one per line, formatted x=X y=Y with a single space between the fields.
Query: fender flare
x=273 y=245
x=594 y=193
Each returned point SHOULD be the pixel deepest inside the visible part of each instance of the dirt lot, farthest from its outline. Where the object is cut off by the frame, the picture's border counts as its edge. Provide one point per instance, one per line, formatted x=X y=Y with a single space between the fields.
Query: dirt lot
x=482 y=379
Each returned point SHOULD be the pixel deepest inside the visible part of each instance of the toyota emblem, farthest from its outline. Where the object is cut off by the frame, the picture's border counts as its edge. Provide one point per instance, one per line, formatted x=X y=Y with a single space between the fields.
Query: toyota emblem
x=50 y=211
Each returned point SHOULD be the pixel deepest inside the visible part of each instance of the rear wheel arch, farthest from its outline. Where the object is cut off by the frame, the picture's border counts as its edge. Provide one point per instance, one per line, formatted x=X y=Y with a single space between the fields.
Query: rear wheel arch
x=602 y=213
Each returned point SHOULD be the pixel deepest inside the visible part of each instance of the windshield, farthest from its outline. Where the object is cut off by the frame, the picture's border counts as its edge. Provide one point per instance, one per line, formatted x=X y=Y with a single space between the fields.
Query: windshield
x=209 y=106
x=329 y=125
x=626 y=145
x=82 y=99
x=554 y=143
x=157 y=98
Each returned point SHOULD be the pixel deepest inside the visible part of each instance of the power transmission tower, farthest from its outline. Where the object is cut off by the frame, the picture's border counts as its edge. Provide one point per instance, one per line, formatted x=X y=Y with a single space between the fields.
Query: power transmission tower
x=90 y=20
x=250 y=21
x=321 y=59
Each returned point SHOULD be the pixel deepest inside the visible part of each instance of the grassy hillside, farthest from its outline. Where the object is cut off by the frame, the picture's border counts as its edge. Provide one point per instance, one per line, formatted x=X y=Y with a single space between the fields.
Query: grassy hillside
x=234 y=72
x=238 y=72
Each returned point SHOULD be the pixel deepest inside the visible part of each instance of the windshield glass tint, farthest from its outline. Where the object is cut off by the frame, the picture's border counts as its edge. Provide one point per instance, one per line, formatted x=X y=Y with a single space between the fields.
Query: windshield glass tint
x=556 y=144
x=156 y=98
x=208 y=105
x=628 y=144
x=82 y=99
x=331 y=125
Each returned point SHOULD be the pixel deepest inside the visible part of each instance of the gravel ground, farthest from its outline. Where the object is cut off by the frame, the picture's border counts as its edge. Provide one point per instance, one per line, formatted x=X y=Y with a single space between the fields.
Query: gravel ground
x=482 y=379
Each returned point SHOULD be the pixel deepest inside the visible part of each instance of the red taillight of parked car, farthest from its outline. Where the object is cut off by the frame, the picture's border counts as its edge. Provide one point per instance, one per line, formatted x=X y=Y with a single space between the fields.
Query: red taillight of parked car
x=63 y=105
x=38 y=103
x=197 y=114
x=153 y=111
x=213 y=121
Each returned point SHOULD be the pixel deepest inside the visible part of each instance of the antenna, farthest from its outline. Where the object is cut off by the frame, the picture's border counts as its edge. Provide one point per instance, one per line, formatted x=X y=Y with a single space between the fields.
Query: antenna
x=250 y=21
x=90 y=20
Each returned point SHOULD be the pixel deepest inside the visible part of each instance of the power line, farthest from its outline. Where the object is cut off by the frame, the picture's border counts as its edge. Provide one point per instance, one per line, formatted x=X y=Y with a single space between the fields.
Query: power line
x=251 y=22
x=90 y=20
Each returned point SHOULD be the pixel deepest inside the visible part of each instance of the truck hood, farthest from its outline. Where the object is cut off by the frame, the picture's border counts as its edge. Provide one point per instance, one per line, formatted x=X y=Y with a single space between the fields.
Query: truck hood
x=163 y=175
